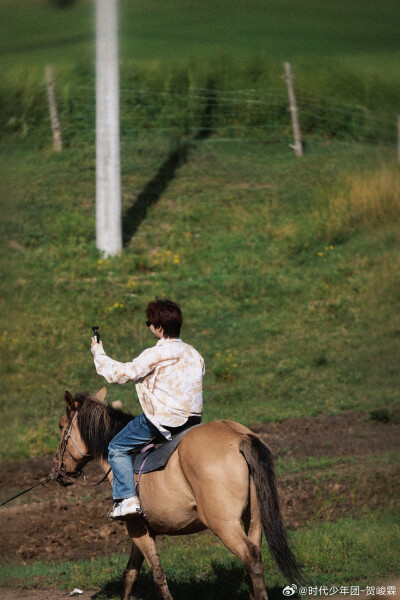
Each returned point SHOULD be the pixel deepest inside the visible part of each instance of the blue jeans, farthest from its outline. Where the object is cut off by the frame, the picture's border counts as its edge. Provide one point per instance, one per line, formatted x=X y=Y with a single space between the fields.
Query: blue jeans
x=139 y=431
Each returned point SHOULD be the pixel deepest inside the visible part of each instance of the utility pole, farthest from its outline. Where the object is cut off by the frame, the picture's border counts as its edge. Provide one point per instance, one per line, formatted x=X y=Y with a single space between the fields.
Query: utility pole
x=108 y=164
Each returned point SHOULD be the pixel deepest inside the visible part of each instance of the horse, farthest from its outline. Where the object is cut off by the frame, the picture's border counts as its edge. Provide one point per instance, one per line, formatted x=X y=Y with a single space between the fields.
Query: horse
x=220 y=476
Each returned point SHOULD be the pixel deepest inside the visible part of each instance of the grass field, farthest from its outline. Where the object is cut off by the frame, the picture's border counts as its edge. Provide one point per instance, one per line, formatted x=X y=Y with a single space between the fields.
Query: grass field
x=287 y=270
x=41 y=33
x=346 y=50
x=344 y=58
x=271 y=292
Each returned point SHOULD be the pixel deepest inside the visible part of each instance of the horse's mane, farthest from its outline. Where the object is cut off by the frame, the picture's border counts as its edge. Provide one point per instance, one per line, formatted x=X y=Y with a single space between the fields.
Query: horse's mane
x=98 y=423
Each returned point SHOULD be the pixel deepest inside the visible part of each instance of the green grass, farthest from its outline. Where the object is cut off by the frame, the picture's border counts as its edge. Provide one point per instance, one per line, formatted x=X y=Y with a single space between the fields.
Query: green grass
x=349 y=552
x=288 y=325
x=40 y=32
x=312 y=467
x=322 y=468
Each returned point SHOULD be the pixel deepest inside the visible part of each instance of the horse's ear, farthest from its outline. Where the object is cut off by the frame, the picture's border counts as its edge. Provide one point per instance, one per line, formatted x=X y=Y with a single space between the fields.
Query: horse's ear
x=69 y=401
x=101 y=394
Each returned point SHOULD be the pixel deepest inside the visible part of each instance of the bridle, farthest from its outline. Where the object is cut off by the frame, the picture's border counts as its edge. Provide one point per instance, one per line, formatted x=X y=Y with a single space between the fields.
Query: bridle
x=59 y=471
x=59 y=468
x=68 y=435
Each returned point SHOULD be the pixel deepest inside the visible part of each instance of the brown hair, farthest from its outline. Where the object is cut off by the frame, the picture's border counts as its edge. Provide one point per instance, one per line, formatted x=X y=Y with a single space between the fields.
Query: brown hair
x=165 y=314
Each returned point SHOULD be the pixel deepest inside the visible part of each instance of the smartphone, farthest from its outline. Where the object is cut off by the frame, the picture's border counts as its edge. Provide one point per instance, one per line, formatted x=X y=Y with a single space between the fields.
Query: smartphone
x=96 y=333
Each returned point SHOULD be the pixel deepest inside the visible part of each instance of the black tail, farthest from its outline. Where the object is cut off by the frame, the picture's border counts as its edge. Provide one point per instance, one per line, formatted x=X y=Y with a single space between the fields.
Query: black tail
x=260 y=461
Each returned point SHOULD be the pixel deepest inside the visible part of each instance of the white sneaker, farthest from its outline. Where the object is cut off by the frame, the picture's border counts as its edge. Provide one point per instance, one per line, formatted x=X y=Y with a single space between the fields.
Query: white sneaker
x=125 y=508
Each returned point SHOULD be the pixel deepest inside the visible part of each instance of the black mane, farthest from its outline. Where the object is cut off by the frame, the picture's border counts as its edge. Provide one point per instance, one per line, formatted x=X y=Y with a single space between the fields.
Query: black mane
x=98 y=423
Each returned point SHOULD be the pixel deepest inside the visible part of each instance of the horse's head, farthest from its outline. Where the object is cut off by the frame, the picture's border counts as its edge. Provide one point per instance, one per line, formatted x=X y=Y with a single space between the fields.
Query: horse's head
x=72 y=452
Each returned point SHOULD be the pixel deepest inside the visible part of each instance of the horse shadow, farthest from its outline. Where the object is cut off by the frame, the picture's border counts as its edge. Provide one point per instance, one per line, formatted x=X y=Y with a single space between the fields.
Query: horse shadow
x=225 y=583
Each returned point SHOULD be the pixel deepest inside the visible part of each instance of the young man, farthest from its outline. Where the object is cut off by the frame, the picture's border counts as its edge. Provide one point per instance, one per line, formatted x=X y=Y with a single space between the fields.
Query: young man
x=168 y=381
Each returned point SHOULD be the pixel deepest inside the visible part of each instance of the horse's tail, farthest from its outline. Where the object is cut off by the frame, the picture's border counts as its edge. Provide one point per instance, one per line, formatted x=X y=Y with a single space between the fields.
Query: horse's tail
x=260 y=461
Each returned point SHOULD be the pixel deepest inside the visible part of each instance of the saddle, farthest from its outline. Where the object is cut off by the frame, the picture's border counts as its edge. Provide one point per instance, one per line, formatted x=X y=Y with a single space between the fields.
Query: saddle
x=154 y=456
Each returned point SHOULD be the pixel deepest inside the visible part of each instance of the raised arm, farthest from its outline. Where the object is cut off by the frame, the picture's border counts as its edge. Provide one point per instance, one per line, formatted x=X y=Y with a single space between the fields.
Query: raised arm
x=117 y=372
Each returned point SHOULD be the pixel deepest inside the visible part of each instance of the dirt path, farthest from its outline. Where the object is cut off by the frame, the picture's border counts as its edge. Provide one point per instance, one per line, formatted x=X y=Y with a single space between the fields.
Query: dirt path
x=345 y=466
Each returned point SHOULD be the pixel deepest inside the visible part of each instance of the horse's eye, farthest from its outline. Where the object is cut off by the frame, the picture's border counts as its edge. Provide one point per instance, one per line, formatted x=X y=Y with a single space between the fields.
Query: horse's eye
x=60 y=427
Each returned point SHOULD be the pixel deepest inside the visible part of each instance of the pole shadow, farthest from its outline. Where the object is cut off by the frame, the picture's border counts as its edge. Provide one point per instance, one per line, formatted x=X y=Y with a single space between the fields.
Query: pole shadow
x=155 y=188
x=152 y=192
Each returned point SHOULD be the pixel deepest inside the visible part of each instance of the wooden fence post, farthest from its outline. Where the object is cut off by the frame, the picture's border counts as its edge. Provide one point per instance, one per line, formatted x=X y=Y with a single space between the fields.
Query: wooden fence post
x=297 y=146
x=51 y=98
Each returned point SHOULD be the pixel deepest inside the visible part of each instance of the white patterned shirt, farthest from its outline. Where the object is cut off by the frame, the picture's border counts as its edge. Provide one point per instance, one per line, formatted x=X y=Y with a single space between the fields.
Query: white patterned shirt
x=168 y=380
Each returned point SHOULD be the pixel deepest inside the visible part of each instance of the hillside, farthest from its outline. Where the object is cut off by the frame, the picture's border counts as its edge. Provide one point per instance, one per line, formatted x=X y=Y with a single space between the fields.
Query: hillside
x=292 y=300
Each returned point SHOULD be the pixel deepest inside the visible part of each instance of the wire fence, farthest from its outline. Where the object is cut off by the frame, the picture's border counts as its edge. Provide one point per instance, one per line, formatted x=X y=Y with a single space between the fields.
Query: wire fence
x=261 y=115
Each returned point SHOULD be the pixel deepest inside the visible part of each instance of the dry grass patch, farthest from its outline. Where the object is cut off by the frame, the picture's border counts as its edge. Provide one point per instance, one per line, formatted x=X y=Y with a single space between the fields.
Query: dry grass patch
x=367 y=202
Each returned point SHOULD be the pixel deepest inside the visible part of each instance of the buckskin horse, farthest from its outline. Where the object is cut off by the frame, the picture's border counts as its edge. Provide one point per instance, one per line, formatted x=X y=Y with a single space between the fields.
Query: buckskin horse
x=220 y=476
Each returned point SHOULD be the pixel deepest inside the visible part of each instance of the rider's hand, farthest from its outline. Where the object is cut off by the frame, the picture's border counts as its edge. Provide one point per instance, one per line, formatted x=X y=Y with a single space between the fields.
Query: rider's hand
x=96 y=347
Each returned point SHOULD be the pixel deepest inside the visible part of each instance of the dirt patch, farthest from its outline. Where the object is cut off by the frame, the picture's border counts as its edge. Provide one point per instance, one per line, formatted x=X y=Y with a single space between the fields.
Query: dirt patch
x=330 y=466
x=346 y=434
x=49 y=520
x=351 y=464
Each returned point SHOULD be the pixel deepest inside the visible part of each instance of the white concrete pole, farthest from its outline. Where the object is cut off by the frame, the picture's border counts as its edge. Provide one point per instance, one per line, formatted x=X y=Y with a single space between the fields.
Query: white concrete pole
x=108 y=165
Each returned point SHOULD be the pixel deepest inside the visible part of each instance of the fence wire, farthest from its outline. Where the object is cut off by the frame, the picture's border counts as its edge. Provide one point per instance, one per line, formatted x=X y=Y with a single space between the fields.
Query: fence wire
x=261 y=115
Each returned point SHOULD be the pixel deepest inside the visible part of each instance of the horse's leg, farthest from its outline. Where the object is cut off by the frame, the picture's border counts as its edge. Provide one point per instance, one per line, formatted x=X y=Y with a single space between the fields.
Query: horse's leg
x=224 y=519
x=145 y=543
x=249 y=553
x=223 y=496
x=132 y=570
x=253 y=529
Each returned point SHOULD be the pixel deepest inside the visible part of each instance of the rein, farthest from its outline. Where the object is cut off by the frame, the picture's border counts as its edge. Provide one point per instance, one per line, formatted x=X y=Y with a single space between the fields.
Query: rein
x=58 y=464
x=59 y=467
x=48 y=478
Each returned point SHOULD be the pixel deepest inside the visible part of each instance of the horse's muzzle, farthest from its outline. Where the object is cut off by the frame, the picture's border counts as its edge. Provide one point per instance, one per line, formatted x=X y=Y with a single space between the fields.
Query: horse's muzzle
x=63 y=477
x=64 y=481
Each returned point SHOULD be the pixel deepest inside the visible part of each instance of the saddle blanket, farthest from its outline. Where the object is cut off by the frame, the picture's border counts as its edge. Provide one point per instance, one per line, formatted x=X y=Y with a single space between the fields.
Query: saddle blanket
x=154 y=459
